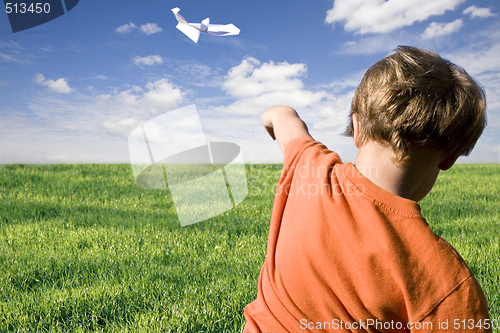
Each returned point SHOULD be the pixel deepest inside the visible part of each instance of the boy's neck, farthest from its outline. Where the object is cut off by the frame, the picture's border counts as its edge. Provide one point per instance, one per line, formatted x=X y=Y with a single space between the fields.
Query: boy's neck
x=411 y=178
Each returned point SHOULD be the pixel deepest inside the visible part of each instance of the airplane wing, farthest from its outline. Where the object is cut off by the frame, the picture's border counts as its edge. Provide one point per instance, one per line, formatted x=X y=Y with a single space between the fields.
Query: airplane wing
x=188 y=30
x=183 y=25
x=223 y=29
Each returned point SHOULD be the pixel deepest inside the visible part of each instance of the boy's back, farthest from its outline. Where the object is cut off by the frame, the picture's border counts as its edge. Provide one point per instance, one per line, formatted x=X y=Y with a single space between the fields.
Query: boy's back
x=348 y=249
x=345 y=255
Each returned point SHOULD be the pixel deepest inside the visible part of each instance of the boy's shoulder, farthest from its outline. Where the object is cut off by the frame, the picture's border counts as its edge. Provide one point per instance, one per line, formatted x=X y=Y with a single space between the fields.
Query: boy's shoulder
x=298 y=148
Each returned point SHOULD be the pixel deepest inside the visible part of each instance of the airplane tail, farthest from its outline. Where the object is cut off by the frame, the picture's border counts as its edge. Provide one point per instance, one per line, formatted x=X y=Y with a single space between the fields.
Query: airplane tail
x=204 y=25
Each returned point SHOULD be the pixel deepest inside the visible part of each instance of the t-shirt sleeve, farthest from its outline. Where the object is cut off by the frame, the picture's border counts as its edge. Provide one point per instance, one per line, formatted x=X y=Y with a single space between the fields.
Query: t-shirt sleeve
x=300 y=150
x=295 y=148
x=464 y=310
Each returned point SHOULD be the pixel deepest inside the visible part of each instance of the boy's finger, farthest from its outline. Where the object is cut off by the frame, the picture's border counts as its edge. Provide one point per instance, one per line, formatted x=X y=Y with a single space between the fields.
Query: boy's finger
x=270 y=130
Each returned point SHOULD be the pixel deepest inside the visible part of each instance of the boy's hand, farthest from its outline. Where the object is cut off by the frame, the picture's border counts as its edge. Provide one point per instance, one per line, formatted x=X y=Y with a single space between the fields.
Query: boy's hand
x=270 y=131
x=283 y=125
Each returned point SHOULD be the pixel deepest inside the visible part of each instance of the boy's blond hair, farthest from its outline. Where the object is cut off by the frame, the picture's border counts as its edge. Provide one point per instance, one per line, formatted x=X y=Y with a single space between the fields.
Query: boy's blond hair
x=415 y=98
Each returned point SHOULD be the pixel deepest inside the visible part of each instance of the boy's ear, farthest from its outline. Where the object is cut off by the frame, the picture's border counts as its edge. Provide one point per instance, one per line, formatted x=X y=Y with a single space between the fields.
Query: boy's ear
x=448 y=162
x=355 y=126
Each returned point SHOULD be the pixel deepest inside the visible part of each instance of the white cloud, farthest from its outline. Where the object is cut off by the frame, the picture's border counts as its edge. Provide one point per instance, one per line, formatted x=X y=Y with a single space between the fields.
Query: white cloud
x=162 y=96
x=39 y=78
x=191 y=72
x=376 y=16
x=61 y=134
x=119 y=127
x=88 y=114
x=257 y=87
x=9 y=57
x=441 y=29
x=480 y=55
x=81 y=127
x=346 y=83
x=13 y=52
x=150 y=28
x=126 y=28
x=127 y=97
x=157 y=97
x=149 y=60
x=196 y=69
x=476 y=12
x=11 y=44
x=334 y=117
x=59 y=86
x=247 y=80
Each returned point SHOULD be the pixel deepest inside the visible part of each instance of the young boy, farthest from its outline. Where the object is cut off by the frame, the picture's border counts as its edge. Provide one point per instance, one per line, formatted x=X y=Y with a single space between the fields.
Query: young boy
x=348 y=250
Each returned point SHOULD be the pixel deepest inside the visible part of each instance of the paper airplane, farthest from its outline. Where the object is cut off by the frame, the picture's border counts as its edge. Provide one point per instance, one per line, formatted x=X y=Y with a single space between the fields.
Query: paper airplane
x=192 y=30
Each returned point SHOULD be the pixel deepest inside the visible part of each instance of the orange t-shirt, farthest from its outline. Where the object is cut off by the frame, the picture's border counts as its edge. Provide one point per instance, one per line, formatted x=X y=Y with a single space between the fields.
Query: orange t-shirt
x=344 y=255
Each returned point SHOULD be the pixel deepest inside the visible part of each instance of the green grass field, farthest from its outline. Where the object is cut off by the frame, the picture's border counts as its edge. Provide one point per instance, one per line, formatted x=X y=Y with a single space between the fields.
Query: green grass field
x=82 y=249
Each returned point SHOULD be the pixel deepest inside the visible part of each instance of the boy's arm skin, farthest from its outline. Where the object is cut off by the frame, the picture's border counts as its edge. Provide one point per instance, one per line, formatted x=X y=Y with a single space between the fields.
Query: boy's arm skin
x=283 y=124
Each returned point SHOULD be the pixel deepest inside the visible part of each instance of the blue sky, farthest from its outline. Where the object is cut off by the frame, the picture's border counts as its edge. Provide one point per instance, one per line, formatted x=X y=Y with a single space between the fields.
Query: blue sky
x=74 y=88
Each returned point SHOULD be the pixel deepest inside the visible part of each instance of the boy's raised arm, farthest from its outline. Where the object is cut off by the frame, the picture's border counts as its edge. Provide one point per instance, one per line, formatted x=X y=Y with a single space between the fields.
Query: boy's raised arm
x=283 y=124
